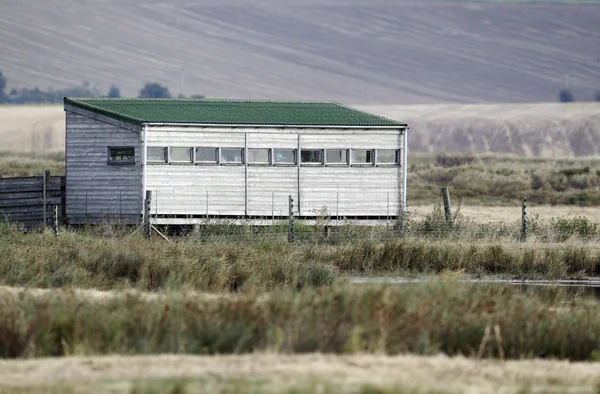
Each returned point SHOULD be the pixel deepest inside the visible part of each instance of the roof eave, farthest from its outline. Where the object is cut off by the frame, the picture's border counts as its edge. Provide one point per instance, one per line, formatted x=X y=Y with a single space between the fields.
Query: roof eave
x=276 y=126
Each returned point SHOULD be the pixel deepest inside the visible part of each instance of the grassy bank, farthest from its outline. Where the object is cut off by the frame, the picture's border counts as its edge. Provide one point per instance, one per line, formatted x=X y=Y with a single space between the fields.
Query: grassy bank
x=83 y=260
x=422 y=319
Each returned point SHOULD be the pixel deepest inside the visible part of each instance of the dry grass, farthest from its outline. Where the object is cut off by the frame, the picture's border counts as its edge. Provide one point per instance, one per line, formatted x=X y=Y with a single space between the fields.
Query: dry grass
x=505 y=214
x=441 y=316
x=32 y=129
x=258 y=373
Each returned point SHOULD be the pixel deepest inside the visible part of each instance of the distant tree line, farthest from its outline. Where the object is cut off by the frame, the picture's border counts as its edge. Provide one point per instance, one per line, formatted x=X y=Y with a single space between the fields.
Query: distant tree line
x=51 y=96
x=567 y=96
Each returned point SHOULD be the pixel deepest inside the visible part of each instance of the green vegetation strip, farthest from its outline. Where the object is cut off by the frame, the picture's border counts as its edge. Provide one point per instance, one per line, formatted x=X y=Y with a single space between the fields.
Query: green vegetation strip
x=423 y=319
x=85 y=260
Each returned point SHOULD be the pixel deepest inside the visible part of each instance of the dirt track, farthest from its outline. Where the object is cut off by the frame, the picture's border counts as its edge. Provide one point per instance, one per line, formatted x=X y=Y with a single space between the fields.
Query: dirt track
x=440 y=372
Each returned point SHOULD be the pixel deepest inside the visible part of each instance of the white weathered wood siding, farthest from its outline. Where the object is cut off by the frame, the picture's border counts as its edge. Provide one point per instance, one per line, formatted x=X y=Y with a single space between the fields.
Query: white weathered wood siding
x=262 y=190
x=94 y=189
x=350 y=191
x=187 y=189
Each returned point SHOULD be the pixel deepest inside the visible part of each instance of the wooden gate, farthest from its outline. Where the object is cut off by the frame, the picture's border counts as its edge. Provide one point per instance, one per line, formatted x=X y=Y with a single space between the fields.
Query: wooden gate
x=30 y=201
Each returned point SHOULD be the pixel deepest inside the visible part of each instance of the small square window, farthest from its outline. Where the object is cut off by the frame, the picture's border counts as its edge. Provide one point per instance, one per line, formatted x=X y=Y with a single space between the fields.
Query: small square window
x=284 y=156
x=259 y=156
x=181 y=155
x=337 y=156
x=362 y=156
x=121 y=155
x=206 y=155
x=387 y=156
x=311 y=156
x=232 y=155
x=157 y=155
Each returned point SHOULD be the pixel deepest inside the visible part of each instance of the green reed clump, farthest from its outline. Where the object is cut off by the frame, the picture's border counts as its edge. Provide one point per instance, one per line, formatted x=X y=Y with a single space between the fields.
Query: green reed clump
x=73 y=259
x=424 y=319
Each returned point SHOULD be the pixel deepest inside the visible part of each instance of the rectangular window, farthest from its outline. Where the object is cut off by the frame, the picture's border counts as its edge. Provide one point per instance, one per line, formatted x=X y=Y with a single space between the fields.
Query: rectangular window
x=121 y=155
x=157 y=155
x=337 y=156
x=311 y=156
x=232 y=155
x=259 y=156
x=388 y=156
x=181 y=155
x=284 y=156
x=362 y=156
x=206 y=155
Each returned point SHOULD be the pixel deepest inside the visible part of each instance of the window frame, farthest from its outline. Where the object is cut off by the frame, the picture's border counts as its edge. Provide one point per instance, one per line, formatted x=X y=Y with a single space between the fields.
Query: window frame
x=231 y=163
x=260 y=163
x=338 y=164
x=119 y=163
x=312 y=163
x=396 y=162
x=166 y=153
x=182 y=162
x=293 y=150
x=361 y=164
x=207 y=162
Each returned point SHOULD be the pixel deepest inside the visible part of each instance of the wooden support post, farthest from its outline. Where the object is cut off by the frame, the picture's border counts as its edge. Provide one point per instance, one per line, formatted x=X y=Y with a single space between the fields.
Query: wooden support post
x=524 y=220
x=147 y=204
x=45 y=182
x=447 y=208
x=63 y=199
x=55 y=220
x=291 y=220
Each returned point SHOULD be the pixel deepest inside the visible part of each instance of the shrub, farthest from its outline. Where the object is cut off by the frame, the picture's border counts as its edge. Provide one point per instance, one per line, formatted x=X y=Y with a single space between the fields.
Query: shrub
x=453 y=160
x=566 y=96
x=579 y=226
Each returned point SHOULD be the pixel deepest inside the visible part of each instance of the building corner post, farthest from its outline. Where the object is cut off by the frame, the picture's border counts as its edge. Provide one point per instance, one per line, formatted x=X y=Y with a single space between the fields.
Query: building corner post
x=144 y=162
x=404 y=169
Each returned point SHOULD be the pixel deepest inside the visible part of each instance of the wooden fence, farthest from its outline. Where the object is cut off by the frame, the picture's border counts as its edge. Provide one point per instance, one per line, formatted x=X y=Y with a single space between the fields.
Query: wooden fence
x=30 y=201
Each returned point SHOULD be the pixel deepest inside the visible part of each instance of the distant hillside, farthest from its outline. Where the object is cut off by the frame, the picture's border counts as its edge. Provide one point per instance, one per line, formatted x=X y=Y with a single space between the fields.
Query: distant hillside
x=353 y=51
x=543 y=130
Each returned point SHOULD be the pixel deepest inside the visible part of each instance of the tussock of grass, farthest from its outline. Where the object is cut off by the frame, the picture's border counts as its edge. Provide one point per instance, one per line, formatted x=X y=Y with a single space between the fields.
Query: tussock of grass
x=422 y=319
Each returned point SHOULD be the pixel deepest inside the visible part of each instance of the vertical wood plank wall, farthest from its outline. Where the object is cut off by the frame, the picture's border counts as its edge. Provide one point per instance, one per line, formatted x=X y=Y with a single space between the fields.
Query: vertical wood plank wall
x=94 y=189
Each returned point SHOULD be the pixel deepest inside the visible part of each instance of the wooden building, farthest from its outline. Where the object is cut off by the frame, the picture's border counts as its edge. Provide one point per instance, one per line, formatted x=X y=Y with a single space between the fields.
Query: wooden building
x=230 y=160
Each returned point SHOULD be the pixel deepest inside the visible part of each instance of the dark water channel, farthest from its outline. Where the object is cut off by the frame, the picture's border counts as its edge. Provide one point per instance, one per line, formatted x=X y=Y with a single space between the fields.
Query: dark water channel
x=588 y=289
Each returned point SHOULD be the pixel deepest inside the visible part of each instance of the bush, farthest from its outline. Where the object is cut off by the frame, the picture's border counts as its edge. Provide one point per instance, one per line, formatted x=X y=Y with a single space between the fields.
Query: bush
x=154 y=90
x=579 y=226
x=566 y=96
x=453 y=160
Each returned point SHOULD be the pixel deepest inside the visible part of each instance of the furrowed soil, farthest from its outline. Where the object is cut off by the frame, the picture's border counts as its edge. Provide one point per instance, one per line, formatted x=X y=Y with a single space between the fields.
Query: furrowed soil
x=353 y=51
x=280 y=373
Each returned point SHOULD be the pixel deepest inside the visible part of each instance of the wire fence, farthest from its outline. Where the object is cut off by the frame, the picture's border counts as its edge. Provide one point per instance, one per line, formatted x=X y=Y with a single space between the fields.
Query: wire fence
x=330 y=218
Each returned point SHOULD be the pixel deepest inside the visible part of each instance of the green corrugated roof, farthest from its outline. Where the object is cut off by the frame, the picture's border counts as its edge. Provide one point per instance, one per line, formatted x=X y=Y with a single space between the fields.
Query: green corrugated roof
x=209 y=111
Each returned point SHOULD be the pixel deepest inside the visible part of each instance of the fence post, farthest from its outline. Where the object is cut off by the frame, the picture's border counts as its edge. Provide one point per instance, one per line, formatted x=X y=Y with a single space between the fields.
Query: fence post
x=272 y=208
x=45 y=195
x=207 y=204
x=55 y=220
x=147 y=205
x=447 y=208
x=524 y=220
x=291 y=220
